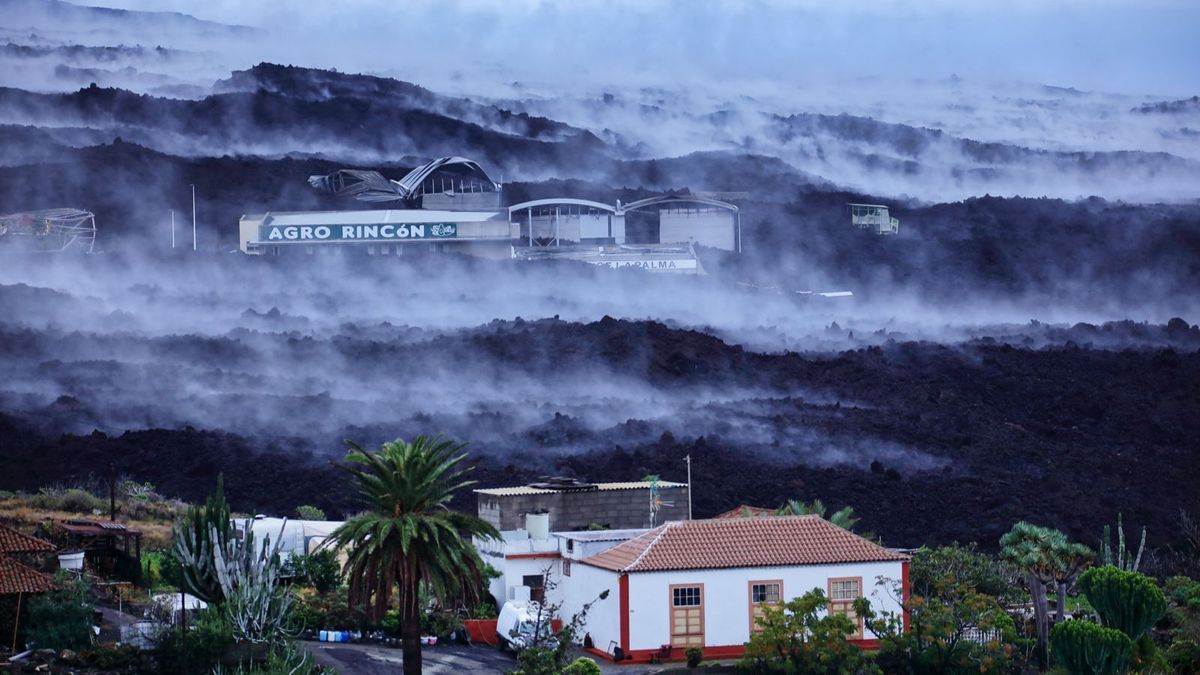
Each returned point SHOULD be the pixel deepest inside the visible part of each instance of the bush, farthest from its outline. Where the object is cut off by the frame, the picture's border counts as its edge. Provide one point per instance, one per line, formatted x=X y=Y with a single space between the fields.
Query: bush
x=324 y=611
x=485 y=610
x=306 y=512
x=61 y=619
x=582 y=666
x=318 y=570
x=694 y=656
x=112 y=657
x=81 y=501
x=1183 y=654
x=1128 y=601
x=194 y=651
x=1085 y=648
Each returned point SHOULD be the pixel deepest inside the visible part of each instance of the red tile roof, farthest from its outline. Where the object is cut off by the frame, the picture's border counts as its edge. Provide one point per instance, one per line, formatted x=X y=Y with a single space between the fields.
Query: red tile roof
x=18 y=578
x=747 y=511
x=741 y=542
x=12 y=541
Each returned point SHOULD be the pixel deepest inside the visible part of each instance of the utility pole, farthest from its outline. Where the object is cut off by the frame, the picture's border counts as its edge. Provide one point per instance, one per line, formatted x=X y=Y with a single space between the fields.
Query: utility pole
x=688 y=458
x=193 y=216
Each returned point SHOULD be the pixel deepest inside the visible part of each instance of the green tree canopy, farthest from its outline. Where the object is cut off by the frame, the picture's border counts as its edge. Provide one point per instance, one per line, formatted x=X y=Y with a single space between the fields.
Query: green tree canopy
x=408 y=537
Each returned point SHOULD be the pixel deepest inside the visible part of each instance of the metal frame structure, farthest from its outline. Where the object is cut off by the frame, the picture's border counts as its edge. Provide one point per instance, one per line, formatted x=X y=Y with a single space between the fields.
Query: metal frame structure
x=690 y=199
x=529 y=206
x=372 y=186
x=49 y=230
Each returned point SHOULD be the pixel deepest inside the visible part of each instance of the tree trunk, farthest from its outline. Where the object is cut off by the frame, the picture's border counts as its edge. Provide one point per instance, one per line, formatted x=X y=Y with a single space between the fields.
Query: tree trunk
x=410 y=629
x=1041 y=616
x=1061 y=614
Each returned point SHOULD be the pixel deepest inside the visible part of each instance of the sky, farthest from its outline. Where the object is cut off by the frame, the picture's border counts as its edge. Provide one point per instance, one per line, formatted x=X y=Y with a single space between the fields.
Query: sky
x=1136 y=47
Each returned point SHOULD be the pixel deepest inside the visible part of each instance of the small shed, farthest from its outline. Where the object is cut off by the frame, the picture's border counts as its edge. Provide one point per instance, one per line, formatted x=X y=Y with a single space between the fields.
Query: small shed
x=111 y=548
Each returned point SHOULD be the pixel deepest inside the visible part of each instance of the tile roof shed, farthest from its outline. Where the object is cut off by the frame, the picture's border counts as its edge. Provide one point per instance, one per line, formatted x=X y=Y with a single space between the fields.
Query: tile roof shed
x=12 y=541
x=741 y=542
x=17 y=578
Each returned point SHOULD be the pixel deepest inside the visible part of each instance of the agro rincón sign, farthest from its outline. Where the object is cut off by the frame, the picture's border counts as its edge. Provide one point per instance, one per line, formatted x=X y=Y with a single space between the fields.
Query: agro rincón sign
x=402 y=231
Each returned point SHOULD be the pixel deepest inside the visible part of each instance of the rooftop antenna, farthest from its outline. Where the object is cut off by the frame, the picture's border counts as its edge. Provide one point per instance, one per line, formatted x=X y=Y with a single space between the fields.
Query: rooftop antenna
x=688 y=458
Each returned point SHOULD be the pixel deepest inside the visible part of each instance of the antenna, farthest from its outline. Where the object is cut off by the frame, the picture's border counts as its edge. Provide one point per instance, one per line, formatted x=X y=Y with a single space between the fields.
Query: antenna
x=688 y=458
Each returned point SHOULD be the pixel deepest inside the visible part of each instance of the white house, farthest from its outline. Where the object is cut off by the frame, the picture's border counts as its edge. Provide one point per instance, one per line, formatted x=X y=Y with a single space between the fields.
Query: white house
x=523 y=556
x=700 y=583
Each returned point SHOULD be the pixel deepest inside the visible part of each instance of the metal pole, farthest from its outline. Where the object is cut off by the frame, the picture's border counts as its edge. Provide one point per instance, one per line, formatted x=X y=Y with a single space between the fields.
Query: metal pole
x=193 y=216
x=530 y=227
x=17 y=622
x=556 y=226
x=739 y=230
x=172 y=229
x=688 y=459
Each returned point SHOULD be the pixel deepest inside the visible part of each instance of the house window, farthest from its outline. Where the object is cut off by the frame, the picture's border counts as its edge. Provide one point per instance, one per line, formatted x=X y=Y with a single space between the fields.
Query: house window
x=537 y=592
x=566 y=567
x=763 y=594
x=687 y=615
x=843 y=591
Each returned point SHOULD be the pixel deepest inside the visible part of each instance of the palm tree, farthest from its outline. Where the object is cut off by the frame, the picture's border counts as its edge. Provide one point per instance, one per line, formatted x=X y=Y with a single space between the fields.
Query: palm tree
x=843 y=518
x=408 y=537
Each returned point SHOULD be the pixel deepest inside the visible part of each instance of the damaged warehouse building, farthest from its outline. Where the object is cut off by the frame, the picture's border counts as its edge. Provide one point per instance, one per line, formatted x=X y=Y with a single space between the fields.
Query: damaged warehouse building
x=451 y=205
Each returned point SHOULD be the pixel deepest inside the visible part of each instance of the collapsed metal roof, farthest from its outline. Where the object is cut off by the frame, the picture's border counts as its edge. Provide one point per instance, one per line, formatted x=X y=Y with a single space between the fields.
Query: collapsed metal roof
x=372 y=186
x=49 y=230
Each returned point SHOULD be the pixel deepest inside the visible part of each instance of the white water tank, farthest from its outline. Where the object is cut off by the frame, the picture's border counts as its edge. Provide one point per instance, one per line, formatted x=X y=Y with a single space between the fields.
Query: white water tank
x=71 y=561
x=538 y=525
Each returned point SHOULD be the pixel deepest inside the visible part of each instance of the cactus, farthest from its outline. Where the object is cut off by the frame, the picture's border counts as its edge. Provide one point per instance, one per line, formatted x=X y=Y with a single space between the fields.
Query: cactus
x=1084 y=648
x=1121 y=558
x=255 y=605
x=201 y=530
x=1127 y=601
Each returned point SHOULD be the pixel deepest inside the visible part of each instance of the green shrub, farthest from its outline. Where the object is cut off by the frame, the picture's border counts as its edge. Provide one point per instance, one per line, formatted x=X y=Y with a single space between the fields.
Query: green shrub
x=391 y=622
x=485 y=610
x=1183 y=654
x=319 y=570
x=1085 y=648
x=582 y=666
x=81 y=501
x=61 y=619
x=195 y=651
x=306 y=512
x=112 y=657
x=1127 y=601
x=694 y=656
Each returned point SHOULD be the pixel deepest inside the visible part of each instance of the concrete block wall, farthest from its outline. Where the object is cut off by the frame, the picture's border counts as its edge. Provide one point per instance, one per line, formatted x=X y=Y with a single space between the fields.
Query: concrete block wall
x=615 y=509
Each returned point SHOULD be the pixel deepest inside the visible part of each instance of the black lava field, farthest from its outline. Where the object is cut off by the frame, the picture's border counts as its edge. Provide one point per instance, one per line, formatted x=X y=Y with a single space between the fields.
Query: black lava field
x=932 y=435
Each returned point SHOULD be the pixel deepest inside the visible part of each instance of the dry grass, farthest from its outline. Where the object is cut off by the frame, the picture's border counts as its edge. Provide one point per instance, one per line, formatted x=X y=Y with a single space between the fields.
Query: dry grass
x=27 y=512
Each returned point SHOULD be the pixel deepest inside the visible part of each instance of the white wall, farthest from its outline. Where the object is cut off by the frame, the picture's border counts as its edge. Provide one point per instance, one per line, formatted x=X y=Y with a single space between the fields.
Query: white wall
x=584 y=585
x=708 y=227
x=726 y=597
